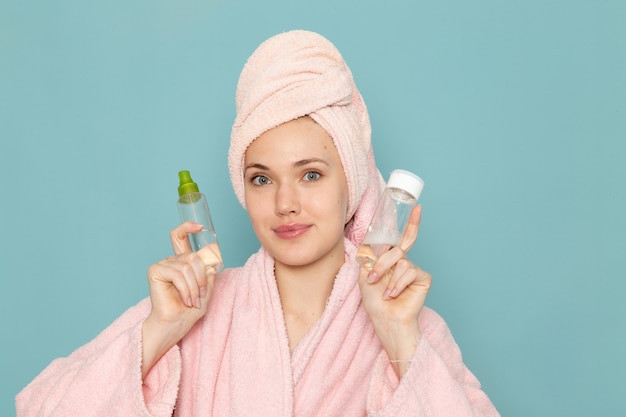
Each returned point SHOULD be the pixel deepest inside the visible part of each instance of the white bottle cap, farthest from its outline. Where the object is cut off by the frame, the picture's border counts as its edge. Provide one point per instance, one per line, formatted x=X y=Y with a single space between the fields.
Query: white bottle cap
x=406 y=181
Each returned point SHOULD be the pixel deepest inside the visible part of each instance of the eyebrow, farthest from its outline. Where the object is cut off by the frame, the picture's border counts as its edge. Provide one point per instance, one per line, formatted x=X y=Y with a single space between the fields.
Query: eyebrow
x=258 y=166
x=304 y=162
x=300 y=163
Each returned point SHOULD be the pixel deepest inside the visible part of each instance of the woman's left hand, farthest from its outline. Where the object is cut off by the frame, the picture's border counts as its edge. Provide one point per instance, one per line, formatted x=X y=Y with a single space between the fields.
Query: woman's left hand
x=394 y=292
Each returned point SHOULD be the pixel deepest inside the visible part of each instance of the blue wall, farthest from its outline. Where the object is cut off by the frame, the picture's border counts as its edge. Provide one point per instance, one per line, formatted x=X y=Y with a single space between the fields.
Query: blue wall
x=514 y=113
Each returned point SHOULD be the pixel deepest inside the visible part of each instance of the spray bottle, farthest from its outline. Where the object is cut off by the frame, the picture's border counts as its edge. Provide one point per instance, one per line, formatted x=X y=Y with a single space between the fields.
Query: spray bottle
x=192 y=206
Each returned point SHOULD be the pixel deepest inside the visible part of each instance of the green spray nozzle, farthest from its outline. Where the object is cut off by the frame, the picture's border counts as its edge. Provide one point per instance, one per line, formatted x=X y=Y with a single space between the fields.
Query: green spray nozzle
x=187 y=186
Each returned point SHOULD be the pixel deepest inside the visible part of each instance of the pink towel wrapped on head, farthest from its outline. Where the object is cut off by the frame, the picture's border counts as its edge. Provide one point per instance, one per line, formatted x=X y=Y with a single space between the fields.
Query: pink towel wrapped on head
x=300 y=73
x=236 y=361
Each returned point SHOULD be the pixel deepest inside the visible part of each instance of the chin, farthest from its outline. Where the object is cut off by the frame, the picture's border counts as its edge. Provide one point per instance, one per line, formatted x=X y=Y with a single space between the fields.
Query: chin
x=292 y=257
x=295 y=261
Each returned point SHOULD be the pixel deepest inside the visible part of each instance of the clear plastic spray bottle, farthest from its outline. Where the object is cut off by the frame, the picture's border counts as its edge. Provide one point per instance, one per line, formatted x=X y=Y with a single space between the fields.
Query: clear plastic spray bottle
x=193 y=206
x=391 y=216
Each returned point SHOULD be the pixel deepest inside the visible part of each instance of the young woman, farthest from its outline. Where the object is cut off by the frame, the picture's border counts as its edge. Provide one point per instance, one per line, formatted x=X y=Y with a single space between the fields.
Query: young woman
x=301 y=329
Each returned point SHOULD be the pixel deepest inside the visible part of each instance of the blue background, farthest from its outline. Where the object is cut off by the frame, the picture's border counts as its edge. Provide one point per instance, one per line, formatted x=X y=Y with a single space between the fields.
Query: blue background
x=514 y=113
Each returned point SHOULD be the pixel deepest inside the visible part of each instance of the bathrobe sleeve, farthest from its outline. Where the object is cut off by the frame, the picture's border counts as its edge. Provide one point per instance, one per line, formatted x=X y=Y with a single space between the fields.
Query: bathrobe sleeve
x=103 y=377
x=436 y=382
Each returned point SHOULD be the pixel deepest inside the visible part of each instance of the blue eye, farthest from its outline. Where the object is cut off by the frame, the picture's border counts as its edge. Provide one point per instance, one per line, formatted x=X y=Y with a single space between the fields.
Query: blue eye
x=260 y=180
x=312 y=176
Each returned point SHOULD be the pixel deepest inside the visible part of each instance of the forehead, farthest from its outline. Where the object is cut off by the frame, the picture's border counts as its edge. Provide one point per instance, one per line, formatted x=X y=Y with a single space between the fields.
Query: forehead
x=297 y=139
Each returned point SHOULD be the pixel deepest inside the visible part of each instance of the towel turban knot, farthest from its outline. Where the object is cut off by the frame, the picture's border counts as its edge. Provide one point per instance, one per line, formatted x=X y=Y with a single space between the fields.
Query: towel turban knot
x=295 y=74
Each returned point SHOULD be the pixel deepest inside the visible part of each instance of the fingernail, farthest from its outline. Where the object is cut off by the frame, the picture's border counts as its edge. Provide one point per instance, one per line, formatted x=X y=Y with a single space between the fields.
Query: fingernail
x=188 y=302
x=197 y=303
x=202 y=291
x=372 y=277
x=387 y=293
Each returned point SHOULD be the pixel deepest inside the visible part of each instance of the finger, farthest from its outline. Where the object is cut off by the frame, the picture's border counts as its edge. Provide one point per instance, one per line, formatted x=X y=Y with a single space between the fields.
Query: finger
x=186 y=274
x=200 y=274
x=412 y=228
x=404 y=273
x=169 y=273
x=192 y=269
x=180 y=237
x=413 y=275
x=211 y=256
x=391 y=257
x=386 y=261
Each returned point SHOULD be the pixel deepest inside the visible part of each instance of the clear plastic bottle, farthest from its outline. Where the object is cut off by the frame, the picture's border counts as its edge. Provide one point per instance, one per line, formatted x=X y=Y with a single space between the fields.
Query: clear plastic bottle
x=192 y=206
x=391 y=217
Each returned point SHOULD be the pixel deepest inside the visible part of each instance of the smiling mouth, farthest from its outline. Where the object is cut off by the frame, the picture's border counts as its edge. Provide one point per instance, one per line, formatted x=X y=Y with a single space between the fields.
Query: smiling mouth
x=291 y=231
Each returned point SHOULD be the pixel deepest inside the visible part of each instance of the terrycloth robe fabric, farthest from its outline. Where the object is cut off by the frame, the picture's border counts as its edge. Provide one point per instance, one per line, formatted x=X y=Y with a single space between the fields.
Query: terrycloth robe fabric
x=236 y=362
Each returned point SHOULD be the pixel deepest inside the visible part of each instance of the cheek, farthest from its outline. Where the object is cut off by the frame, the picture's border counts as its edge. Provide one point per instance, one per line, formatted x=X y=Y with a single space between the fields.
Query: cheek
x=247 y=195
x=258 y=222
x=338 y=207
x=343 y=202
x=254 y=207
x=253 y=198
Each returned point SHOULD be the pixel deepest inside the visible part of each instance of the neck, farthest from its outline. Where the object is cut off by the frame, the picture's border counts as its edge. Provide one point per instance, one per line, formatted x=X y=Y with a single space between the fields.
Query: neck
x=304 y=291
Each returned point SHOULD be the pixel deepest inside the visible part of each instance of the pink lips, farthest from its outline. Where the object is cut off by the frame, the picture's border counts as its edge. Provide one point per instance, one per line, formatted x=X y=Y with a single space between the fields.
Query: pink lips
x=291 y=231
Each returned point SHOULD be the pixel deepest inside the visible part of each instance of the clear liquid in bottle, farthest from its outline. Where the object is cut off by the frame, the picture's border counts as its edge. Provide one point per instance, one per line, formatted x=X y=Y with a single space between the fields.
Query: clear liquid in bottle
x=391 y=217
x=192 y=206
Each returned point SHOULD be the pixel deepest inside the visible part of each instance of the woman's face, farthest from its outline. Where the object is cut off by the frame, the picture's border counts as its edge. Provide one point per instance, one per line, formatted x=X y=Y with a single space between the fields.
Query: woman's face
x=296 y=193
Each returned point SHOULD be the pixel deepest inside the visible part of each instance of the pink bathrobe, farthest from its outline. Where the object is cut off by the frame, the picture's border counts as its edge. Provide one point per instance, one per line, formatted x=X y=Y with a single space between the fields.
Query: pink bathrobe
x=236 y=362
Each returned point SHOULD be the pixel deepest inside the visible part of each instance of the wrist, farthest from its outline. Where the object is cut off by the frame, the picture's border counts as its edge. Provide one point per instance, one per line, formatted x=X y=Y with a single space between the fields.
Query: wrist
x=395 y=335
x=399 y=343
x=157 y=339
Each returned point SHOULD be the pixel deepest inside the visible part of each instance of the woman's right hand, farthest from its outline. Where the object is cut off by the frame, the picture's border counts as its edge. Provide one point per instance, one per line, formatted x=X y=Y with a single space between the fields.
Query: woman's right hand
x=180 y=287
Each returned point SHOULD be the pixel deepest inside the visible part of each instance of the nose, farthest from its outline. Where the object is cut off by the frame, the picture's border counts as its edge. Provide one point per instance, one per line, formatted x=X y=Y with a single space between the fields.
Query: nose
x=287 y=201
